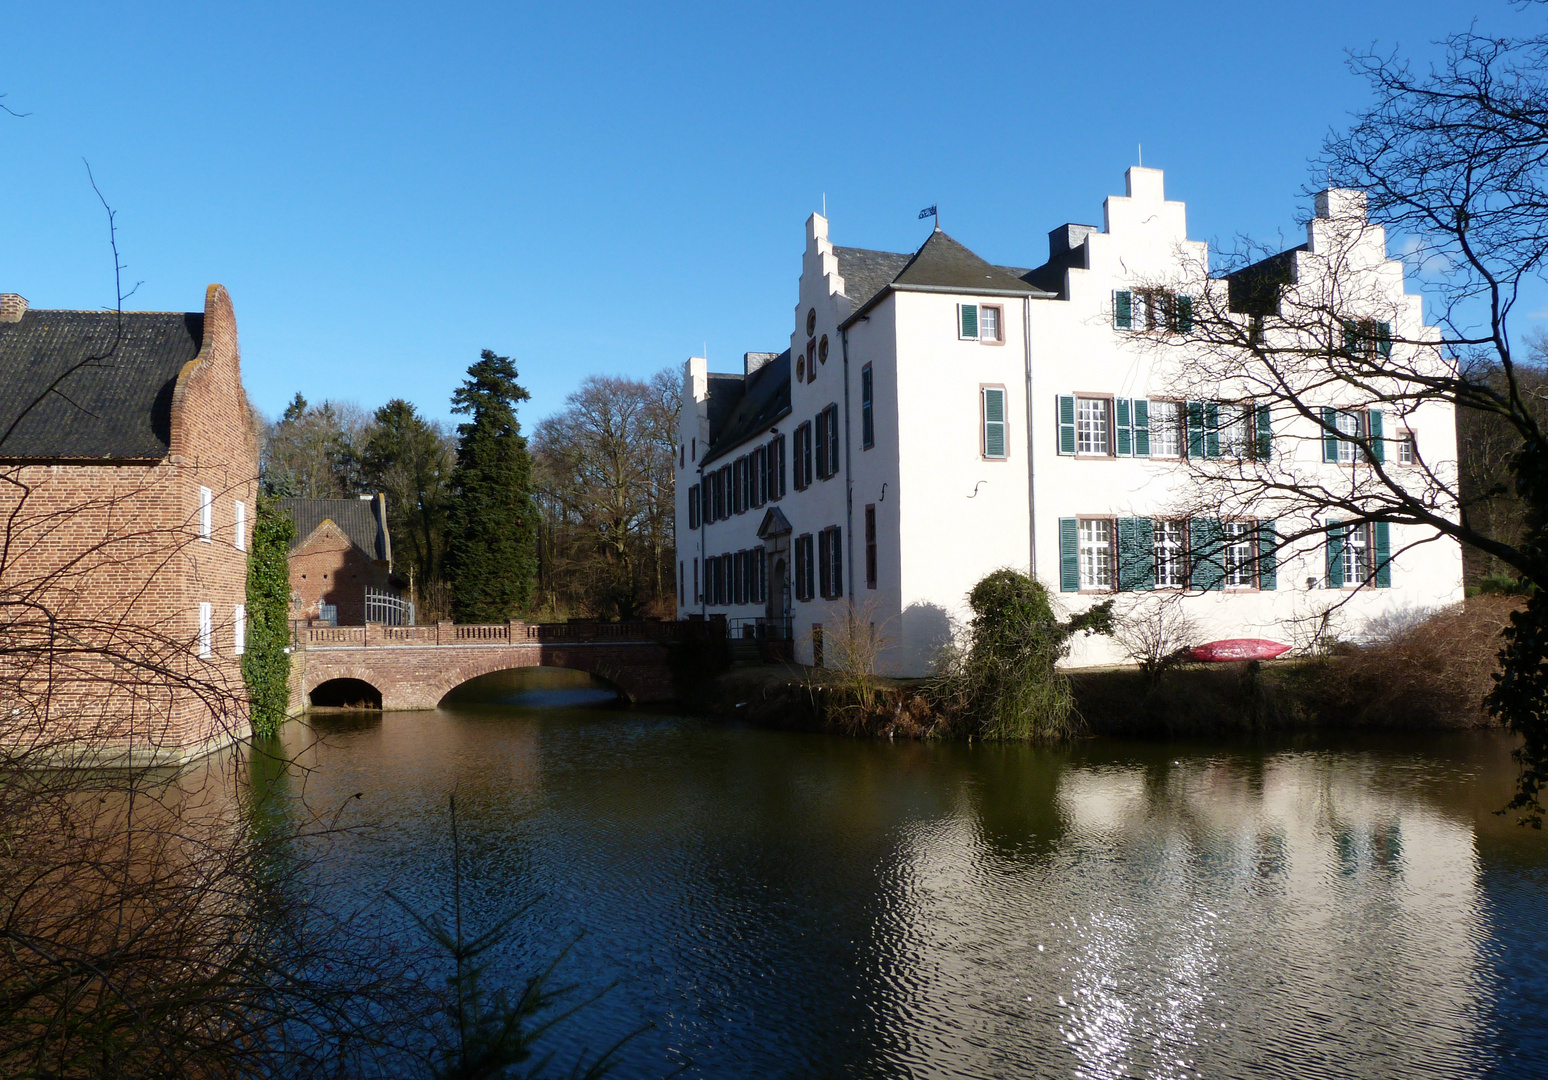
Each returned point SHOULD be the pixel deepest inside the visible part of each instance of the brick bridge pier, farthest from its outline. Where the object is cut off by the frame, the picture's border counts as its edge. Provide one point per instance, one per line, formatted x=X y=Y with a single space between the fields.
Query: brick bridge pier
x=414 y=667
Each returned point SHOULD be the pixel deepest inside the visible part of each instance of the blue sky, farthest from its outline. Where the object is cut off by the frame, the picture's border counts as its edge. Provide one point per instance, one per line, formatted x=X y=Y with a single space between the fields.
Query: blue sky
x=386 y=189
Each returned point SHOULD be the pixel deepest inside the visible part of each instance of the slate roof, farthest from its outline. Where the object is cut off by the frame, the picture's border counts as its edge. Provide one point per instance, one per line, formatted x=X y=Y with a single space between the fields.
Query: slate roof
x=360 y=519
x=867 y=272
x=940 y=263
x=70 y=391
x=747 y=405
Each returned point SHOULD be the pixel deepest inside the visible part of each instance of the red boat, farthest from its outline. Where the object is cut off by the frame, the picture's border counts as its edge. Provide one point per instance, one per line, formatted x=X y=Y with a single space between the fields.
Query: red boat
x=1221 y=652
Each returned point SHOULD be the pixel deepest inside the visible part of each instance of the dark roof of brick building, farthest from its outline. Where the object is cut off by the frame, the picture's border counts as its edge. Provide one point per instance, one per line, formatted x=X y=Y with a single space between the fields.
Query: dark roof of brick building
x=92 y=385
x=941 y=263
x=362 y=520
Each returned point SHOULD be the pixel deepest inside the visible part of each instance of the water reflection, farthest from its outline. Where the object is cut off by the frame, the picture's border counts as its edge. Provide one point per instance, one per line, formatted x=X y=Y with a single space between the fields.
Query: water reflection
x=793 y=905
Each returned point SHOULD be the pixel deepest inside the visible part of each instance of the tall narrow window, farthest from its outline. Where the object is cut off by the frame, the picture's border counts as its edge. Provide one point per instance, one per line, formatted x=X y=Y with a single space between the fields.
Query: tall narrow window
x=821 y=439
x=693 y=507
x=698 y=597
x=739 y=577
x=777 y=468
x=681 y=585
x=1171 y=549
x=989 y=324
x=1407 y=453
x=206 y=514
x=870 y=546
x=803 y=456
x=1092 y=428
x=739 y=485
x=240 y=539
x=833 y=440
x=760 y=476
x=1356 y=555
x=994 y=422
x=1239 y=545
x=867 y=418
x=723 y=483
x=239 y=629
x=1096 y=553
x=1166 y=429
x=206 y=630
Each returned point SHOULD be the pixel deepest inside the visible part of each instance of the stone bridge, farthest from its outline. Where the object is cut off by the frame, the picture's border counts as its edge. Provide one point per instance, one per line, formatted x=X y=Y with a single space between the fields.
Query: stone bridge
x=414 y=667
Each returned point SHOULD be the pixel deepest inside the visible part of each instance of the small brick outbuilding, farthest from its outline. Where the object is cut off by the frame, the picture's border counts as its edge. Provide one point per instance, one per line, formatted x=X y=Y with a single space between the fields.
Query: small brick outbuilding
x=128 y=477
x=341 y=562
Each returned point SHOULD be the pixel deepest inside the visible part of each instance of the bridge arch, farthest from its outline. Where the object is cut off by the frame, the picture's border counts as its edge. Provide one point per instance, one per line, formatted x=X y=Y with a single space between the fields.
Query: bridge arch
x=345 y=693
x=459 y=674
x=594 y=688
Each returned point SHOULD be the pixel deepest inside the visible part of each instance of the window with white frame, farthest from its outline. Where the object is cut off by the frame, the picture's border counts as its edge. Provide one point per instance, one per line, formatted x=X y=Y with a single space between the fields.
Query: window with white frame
x=206 y=629
x=988 y=323
x=1348 y=424
x=1166 y=428
x=1092 y=431
x=1170 y=539
x=1407 y=451
x=979 y=322
x=1355 y=556
x=1235 y=430
x=206 y=514
x=239 y=629
x=1096 y=553
x=1238 y=540
x=241 y=526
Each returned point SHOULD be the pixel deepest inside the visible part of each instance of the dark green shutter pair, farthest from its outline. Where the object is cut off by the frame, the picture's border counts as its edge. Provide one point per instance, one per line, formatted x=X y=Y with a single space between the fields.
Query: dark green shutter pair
x=1332 y=437
x=1382 y=553
x=1136 y=554
x=1131 y=426
x=994 y=422
x=1203 y=429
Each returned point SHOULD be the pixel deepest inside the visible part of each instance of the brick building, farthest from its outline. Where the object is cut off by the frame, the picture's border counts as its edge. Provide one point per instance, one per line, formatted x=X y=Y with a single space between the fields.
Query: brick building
x=341 y=563
x=128 y=474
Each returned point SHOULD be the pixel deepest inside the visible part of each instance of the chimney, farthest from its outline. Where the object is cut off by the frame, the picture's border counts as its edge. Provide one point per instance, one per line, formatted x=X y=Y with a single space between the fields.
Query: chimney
x=1344 y=203
x=1068 y=238
x=12 y=307
x=752 y=361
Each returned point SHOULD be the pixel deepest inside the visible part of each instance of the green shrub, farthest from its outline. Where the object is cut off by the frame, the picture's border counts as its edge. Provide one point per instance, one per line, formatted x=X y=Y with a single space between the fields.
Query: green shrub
x=265 y=662
x=1004 y=682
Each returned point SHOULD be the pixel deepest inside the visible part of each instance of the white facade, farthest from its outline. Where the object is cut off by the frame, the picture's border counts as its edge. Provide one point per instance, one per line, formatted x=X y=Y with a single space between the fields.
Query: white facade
x=955 y=493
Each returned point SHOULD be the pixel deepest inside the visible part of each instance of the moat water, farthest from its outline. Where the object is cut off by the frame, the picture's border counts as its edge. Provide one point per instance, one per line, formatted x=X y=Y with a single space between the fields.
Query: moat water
x=795 y=905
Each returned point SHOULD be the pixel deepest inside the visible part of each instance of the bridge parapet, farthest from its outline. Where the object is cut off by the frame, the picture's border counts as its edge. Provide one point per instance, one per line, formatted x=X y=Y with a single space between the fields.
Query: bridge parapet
x=507 y=633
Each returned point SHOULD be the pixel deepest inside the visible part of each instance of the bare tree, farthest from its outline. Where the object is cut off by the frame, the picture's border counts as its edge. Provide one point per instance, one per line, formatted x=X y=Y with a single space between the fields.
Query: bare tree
x=1156 y=632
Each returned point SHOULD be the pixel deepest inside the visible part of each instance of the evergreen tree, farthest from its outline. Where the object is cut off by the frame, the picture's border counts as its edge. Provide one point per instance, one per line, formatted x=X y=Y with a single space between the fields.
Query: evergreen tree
x=409 y=460
x=491 y=552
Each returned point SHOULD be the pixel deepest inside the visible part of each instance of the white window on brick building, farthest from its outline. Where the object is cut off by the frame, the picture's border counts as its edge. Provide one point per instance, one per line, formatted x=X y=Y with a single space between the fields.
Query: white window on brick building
x=239 y=626
x=206 y=630
x=206 y=514
x=241 y=526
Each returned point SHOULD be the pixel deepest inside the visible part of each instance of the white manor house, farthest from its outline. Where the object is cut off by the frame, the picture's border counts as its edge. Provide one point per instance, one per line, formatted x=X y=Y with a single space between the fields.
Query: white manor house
x=937 y=417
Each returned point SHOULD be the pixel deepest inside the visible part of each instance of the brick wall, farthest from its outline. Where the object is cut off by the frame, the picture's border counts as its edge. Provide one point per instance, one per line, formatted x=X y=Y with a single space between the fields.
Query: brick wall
x=328 y=567
x=113 y=557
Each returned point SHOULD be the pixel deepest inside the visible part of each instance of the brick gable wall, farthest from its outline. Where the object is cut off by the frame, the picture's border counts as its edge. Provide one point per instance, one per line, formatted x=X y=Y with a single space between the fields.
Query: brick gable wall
x=328 y=567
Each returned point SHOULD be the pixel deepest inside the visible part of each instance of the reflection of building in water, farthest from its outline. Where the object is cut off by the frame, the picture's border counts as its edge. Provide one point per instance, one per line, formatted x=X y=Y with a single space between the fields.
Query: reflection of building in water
x=1303 y=911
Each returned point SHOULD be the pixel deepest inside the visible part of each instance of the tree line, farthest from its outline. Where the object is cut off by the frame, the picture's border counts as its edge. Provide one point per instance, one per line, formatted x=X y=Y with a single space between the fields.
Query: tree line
x=487 y=524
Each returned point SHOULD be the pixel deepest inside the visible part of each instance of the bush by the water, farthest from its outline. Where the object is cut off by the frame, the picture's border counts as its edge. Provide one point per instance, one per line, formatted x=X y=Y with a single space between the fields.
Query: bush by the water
x=1003 y=682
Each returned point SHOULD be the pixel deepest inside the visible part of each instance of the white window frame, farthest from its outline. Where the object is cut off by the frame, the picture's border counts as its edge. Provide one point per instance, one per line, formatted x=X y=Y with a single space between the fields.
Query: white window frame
x=1086 y=430
x=1407 y=448
x=1094 y=546
x=240 y=540
x=206 y=628
x=1236 y=434
x=1348 y=425
x=1356 y=555
x=1236 y=550
x=1170 y=546
x=998 y=318
x=1166 y=432
x=239 y=629
x=206 y=514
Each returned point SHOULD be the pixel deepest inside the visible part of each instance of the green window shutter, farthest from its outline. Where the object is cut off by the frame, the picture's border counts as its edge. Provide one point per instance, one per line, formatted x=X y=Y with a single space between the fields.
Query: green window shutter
x=1384 y=338
x=1066 y=424
x=1195 y=411
x=1268 y=556
x=1383 y=547
x=1141 y=427
x=1351 y=334
x=1329 y=433
x=1123 y=309
x=1263 y=446
x=1124 y=427
x=968 y=314
x=1207 y=553
x=1136 y=554
x=1373 y=429
x=1212 y=429
x=994 y=423
x=1335 y=555
x=1069 y=555
x=1185 y=314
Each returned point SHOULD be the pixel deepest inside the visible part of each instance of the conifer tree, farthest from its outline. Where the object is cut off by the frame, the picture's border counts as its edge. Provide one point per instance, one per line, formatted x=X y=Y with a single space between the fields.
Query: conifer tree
x=491 y=552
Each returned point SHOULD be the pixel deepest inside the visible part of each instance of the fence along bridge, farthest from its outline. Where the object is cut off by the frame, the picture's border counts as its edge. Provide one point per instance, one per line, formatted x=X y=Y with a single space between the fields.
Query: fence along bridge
x=414 y=667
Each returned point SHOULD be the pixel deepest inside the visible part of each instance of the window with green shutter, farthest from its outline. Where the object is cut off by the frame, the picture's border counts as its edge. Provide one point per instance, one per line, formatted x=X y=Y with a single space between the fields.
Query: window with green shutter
x=1263 y=442
x=1329 y=434
x=1373 y=429
x=994 y=422
x=1206 y=548
x=1124 y=427
x=1268 y=555
x=1212 y=429
x=1185 y=314
x=1136 y=554
x=967 y=322
x=1351 y=334
x=1335 y=548
x=1195 y=410
x=1384 y=338
x=1069 y=555
x=1383 y=545
x=1141 y=427
x=1123 y=309
x=1066 y=415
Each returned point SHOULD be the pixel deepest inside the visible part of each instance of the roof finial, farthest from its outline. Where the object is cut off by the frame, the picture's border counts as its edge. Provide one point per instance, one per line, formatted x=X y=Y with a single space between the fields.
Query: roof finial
x=1139 y=149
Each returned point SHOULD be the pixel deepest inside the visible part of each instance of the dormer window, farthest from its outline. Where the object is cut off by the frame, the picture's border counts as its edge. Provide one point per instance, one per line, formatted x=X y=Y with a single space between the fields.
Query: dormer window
x=979 y=322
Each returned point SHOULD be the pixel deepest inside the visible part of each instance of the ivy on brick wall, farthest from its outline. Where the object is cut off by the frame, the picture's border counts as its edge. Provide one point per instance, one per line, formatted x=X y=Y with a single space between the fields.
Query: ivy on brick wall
x=266 y=663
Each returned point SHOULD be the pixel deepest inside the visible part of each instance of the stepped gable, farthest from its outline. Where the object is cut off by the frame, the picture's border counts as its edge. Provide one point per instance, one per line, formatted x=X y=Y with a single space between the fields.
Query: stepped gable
x=764 y=398
x=92 y=385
